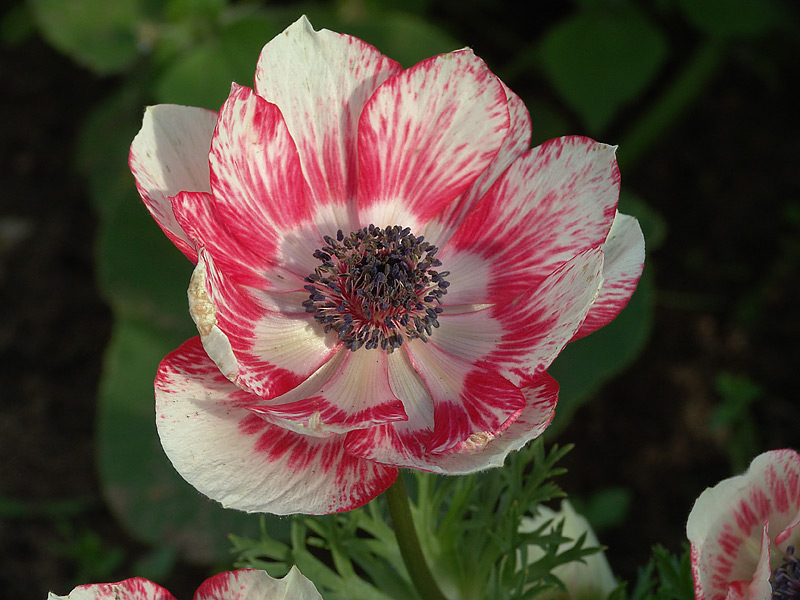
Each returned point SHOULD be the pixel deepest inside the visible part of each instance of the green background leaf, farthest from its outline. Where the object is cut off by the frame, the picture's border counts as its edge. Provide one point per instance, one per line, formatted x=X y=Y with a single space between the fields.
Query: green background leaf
x=585 y=365
x=99 y=34
x=598 y=61
x=151 y=499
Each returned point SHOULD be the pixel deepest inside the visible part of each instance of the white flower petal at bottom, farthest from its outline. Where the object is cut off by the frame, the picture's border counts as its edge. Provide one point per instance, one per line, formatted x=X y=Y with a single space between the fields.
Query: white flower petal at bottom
x=236 y=457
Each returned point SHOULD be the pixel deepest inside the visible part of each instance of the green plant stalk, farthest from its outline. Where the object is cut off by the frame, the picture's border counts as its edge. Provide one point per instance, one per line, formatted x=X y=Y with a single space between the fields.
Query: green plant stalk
x=670 y=106
x=407 y=540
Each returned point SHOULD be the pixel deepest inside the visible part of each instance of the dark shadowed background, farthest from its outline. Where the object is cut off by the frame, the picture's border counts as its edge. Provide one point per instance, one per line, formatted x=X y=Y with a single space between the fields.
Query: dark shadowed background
x=712 y=162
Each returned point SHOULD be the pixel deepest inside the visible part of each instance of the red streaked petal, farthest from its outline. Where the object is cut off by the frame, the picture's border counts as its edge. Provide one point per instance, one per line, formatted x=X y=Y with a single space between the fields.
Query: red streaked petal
x=320 y=81
x=485 y=451
x=399 y=445
x=197 y=215
x=468 y=399
x=553 y=203
x=170 y=155
x=539 y=323
x=426 y=134
x=254 y=584
x=726 y=524
x=516 y=143
x=351 y=391
x=135 y=588
x=623 y=264
x=256 y=177
x=255 y=342
x=240 y=460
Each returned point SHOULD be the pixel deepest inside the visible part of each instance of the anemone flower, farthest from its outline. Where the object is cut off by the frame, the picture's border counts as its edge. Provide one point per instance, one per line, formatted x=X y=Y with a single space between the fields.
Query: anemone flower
x=384 y=272
x=245 y=584
x=744 y=535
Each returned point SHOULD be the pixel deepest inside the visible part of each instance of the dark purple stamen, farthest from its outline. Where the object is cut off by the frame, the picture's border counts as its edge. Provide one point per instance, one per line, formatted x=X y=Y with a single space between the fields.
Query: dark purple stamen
x=377 y=286
x=785 y=579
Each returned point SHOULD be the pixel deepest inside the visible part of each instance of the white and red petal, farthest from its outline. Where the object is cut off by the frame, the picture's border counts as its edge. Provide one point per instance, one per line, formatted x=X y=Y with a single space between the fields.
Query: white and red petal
x=135 y=588
x=400 y=444
x=320 y=81
x=268 y=351
x=235 y=457
x=485 y=452
x=170 y=155
x=405 y=444
x=539 y=322
x=197 y=215
x=351 y=391
x=254 y=584
x=623 y=264
x=516 y=143
x=726 y=524
x=256 y=176
x=426 y=135
x=550 y=205
x=468 y=398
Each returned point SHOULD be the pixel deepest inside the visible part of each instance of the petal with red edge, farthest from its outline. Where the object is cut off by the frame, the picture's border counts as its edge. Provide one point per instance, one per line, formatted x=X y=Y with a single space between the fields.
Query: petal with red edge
x=399 y=445
x=320 y=81
x=517 y=141
x=553 y=203
x=726 y=524
x=427 y=134
x=135 y=588
x=622 y=267
x=170 y=155
x=253 y=584
x=238 y=459
x=266 y=350
x=351 y=391
x=485 y=452
x=539 y=323
x=468 y=399
x=256 y=178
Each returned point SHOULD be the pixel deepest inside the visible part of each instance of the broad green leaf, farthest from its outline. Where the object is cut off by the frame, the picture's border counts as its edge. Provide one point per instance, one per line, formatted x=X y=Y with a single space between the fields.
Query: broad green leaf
x=201 y=77
x=548 y=121
x=148 y=496
x=406 y=38
x=729 y=18
x=140 y=272
x=599 y=61
x=401 y=36
x=585 y=365
x=103 y=145
x=654 y=225
x=177 y=10
x=242 y=39
x=99 y=34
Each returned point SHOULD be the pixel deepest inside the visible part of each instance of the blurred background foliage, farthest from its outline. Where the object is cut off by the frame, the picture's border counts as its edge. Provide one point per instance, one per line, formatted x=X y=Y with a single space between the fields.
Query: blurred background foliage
x=620 y=71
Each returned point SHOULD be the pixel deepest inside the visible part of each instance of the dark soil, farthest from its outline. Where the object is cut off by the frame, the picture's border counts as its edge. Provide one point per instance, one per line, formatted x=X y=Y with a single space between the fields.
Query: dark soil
x=728 y=275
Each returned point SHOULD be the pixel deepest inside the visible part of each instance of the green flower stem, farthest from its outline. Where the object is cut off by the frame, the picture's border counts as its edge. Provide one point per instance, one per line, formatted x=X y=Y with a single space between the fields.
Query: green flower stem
x=407 y=539
x=678 y=96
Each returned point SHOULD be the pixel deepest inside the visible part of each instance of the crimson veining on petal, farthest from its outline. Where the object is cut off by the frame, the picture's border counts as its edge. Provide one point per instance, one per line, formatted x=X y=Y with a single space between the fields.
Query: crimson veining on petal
x=376 y=287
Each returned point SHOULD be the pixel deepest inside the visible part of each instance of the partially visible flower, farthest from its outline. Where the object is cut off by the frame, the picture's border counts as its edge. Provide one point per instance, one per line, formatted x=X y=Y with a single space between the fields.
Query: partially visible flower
x=587 y=579
x=744 y=535
x=384 y=272
x=245 y=584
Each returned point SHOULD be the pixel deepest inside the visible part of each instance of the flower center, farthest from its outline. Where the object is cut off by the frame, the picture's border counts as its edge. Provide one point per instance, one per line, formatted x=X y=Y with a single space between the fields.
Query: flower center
x=786 y=578
x=376 y=287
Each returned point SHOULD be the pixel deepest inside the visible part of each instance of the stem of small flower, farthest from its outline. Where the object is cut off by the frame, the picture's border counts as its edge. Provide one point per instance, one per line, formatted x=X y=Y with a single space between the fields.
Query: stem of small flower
x=407 y=540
